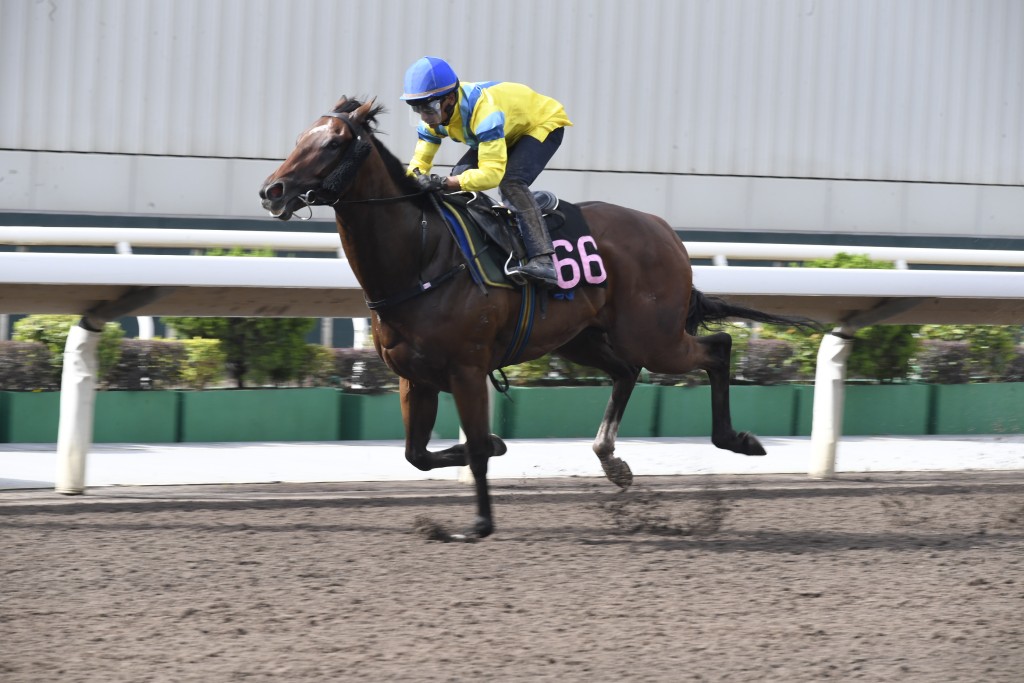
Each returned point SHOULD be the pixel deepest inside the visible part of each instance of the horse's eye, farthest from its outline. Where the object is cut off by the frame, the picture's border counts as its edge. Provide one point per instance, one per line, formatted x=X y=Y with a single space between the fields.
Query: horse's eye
x=333 y=143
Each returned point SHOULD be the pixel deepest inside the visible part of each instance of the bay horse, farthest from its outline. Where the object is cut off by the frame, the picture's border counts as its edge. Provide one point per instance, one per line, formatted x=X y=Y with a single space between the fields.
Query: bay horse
x=439 y=331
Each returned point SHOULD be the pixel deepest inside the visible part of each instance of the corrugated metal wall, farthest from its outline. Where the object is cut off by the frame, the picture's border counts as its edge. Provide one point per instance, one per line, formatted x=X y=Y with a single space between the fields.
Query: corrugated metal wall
x=916 y=90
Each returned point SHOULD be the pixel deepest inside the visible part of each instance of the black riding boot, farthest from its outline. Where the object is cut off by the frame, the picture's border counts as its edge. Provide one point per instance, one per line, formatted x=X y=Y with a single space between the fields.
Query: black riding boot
x=538 y=266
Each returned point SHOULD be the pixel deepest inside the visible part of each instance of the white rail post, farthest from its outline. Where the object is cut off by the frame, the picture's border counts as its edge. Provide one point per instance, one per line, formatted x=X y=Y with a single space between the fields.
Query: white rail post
x=360 y=333
x=827 y=420
x=147 y=328
x=78 y=384
x=77 y=402
x=830 y=379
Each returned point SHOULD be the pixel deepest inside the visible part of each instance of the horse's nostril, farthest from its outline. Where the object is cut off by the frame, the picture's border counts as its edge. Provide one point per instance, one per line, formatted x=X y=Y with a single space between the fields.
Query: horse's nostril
x=275 y=191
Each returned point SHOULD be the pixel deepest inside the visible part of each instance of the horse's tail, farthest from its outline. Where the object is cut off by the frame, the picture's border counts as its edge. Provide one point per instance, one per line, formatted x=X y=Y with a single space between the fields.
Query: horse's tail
x=705 y=310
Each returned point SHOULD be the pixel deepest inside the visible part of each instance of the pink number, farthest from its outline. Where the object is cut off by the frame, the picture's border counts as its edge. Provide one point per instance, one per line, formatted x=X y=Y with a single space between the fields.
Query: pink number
x=593 y=266
x=568 y=262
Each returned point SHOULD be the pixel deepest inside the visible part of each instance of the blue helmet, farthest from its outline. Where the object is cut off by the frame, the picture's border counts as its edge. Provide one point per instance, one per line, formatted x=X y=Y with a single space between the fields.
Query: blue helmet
x=429 y=77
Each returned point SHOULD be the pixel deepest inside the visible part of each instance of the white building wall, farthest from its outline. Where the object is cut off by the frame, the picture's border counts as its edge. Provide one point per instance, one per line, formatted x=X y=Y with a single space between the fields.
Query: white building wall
x=725 y=114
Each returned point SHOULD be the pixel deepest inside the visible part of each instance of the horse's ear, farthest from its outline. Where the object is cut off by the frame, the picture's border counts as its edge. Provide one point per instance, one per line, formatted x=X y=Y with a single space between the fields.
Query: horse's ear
x=340 y=103
x=363 y=112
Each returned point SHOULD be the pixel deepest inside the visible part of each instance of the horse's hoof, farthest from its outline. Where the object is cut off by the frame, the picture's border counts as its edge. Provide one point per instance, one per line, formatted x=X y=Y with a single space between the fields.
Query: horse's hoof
x=618 y=472
x=499 y=446
x=482 y=528
x=749 y=445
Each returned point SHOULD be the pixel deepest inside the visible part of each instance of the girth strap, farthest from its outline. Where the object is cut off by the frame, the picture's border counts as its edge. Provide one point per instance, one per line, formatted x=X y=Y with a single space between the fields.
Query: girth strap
x=524 y=326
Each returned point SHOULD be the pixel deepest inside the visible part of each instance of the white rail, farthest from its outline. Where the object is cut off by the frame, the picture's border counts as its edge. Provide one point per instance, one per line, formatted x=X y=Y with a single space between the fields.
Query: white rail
x=193 y=285
x=169 y=238
x=175 y=238
x=808 y=252
x=164 y=270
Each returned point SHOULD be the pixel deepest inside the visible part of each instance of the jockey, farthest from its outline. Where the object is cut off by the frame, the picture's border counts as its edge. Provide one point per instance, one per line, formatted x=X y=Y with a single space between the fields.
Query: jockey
x=512 y=133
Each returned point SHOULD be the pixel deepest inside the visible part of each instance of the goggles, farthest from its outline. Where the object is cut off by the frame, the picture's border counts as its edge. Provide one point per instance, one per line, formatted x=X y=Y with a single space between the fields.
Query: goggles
x=428 y=107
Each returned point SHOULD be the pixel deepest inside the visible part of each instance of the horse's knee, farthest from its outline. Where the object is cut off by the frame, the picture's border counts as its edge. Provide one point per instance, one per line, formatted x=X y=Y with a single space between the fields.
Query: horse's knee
x=420 y=460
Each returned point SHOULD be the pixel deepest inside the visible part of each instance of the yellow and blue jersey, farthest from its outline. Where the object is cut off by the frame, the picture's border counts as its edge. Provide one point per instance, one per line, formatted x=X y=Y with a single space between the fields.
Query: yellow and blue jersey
x=490 y=117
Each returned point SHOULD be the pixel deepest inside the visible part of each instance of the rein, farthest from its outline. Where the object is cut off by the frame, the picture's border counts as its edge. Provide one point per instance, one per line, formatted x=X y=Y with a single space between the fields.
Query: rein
x=333 y=183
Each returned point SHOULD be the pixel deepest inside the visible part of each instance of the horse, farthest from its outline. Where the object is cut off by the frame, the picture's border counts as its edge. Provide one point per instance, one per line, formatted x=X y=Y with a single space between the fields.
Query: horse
x=438 y=330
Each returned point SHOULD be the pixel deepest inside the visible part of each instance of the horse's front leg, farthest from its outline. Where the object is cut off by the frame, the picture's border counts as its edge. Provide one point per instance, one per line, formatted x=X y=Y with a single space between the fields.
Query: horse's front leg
x=419 y=414
x=469 y=388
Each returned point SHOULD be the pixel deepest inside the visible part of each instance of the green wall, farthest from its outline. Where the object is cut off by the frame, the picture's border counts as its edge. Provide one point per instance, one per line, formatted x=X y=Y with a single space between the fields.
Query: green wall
x=136 y=417
x=29 y=417
x=260 y=415
x=567 y=412
x=875 y=409
x=979 y=409
x=684 y=411
x=527 y=412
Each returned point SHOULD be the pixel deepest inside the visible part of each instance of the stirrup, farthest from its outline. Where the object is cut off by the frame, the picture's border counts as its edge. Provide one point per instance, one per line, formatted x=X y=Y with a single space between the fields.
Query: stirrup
x=514 y=275
x=535 y=274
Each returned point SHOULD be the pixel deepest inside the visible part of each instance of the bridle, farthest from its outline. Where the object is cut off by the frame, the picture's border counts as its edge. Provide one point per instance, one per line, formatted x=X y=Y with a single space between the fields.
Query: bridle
x=338 y=180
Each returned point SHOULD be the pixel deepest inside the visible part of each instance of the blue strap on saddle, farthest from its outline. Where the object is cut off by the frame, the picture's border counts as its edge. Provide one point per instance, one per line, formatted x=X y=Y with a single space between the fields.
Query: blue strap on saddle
x=458 y=231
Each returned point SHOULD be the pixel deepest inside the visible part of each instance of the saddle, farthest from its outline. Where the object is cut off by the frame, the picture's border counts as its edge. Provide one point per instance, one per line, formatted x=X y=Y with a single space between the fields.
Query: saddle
x=489 y=237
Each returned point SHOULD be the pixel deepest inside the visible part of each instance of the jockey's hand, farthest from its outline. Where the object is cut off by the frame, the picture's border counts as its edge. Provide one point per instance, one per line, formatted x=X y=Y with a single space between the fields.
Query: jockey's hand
x=430 y=183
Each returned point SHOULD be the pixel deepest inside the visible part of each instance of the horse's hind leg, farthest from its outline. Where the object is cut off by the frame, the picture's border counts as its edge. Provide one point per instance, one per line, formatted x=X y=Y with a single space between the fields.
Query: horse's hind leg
x=717 y=352
x=592 y=348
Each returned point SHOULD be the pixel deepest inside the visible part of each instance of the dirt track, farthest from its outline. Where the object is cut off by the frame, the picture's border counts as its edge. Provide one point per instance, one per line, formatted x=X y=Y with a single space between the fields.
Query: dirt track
x=908 y=578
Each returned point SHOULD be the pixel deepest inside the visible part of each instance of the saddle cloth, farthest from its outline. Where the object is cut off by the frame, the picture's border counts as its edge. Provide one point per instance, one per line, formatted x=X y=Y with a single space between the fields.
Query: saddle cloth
x=487 y=234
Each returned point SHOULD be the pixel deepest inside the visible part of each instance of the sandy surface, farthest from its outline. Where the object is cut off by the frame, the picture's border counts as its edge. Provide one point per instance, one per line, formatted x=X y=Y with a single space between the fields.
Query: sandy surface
x=716 y=578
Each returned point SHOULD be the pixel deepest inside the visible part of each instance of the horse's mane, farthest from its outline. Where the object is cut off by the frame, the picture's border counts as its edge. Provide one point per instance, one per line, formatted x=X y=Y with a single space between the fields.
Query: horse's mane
x=395 y=167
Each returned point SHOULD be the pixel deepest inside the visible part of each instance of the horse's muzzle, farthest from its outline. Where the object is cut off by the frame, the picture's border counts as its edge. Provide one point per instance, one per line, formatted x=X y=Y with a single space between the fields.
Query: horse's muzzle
x=274 y=202
x=272 y=191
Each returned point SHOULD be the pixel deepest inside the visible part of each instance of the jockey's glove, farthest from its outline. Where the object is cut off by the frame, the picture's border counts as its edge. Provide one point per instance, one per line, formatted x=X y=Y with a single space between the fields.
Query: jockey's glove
x=430 y=183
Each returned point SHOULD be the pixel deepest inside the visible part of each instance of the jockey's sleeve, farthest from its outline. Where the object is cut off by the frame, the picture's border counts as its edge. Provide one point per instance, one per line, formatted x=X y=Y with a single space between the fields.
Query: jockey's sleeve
x=488 y=122
x=426 y=148
x=492 y=156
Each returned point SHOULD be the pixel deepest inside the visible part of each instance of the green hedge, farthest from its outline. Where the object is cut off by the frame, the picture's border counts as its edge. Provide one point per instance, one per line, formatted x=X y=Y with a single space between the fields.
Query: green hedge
x=942 y=355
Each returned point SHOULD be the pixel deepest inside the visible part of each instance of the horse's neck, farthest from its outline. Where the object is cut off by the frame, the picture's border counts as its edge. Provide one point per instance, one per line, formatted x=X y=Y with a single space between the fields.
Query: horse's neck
x=385 y=242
